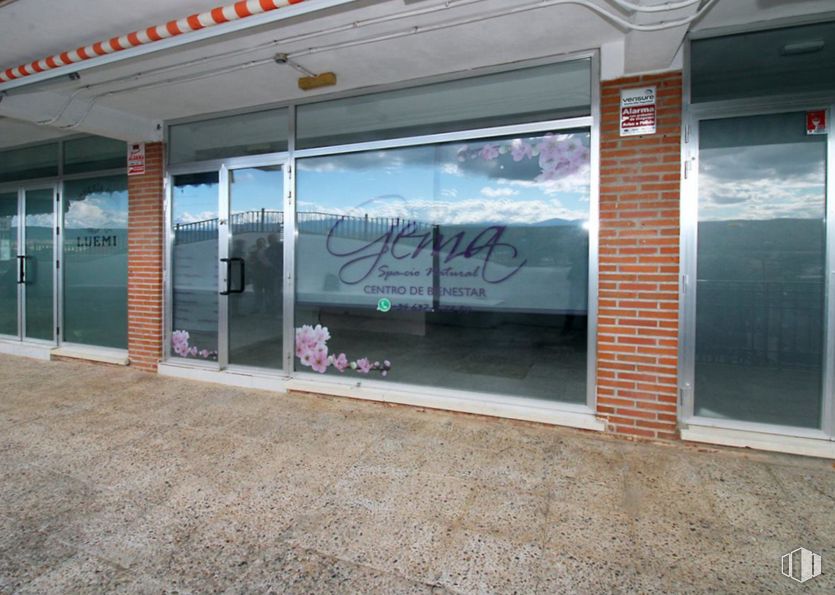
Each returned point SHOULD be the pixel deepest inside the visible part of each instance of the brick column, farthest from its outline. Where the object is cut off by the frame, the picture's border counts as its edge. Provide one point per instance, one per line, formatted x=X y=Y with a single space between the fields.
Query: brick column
x=639 y=265
x=145 y=260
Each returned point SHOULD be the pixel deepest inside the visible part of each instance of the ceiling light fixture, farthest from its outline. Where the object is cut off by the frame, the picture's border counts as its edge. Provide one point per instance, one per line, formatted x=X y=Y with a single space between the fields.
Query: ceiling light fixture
x=802 y=47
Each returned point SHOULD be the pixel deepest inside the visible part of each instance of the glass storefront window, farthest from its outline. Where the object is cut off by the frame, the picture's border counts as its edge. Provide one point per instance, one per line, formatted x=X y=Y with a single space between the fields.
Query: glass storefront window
x=195 y=266
x=255 y=133
x=457 y=265
x=96 y=261
x=92 y=153
x=519 y=96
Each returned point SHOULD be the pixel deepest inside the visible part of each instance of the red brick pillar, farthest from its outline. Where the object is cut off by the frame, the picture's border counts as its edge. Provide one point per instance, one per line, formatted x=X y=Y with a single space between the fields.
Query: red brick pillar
x=639 y=265
x=145 y=260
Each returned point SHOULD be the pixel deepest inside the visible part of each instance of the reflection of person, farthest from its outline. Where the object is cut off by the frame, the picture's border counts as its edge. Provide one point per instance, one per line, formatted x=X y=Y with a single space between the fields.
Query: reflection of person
x=275 y=259
x=260 y=267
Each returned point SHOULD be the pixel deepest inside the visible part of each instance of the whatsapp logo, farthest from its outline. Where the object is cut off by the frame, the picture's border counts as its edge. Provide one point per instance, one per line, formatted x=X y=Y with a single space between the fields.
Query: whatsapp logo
x=384 y=305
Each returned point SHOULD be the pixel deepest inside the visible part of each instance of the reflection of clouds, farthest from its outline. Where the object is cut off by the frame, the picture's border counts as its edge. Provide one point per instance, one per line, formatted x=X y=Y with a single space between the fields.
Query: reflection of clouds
x=490 y=192
x=447 y=158
x=451 y=169
x=463 y=212
x=578 y=182
x=41 y=220
x=762 y=182
x=775 y=161
x=243 y=175
x=97 y=212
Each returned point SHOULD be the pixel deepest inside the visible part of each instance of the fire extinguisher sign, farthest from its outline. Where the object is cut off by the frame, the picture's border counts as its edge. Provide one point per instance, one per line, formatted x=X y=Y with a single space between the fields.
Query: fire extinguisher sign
x=637 y=111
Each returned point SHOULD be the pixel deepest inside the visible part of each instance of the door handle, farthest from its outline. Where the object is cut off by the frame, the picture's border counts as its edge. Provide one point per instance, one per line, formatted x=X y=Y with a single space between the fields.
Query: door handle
x=243 y=275
x=228 y=262
x=21 y=271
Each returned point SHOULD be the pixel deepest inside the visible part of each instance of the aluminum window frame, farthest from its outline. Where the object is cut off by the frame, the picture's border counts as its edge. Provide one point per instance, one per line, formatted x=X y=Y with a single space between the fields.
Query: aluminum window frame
x=693 y=114
x=222 y=167
x=590 y=122
x=56 y=181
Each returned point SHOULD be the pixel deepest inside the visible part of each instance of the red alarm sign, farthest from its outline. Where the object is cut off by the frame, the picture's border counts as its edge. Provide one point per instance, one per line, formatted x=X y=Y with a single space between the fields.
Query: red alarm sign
x=816 y=122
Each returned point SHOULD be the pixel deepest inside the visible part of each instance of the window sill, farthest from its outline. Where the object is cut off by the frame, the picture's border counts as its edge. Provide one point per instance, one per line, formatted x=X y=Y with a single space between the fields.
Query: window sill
x=798 y=445
x=102 y=355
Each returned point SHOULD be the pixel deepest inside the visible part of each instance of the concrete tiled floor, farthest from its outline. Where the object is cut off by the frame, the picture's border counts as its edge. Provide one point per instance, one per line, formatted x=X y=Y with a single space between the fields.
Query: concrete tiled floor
x=114 y=480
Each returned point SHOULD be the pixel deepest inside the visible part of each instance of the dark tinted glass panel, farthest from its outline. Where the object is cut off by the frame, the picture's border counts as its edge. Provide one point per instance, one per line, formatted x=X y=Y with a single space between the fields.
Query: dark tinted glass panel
x=9 y=263
x=778 y=61
x=40 y=161
x=39 y=264
x=527 y=95
x=232 y=136
x=94 y=153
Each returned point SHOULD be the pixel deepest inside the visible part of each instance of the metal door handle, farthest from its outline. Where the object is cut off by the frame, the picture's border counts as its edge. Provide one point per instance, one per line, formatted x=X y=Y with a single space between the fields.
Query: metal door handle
x=228 y=262
x=21 y=271
x=243 y=275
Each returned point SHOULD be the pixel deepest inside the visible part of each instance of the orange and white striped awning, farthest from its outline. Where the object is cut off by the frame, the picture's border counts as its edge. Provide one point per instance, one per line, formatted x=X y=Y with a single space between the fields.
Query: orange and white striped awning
x=195 y=22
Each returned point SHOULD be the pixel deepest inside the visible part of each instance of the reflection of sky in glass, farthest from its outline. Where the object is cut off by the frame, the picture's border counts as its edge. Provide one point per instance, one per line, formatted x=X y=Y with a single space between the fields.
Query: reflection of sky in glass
x=194 y=202
x=777 y=181
x=252 y=189
x=516 y=181
x=96 y=203
x=511 y=181
x=257 y=188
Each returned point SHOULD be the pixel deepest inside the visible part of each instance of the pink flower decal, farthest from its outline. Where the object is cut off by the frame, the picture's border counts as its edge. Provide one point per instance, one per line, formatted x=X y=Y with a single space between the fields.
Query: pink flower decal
x=180 y=345
x=521 y=150
x=312 y=351
x=560 y=156
x=320 y=363
x=489 y=152
x=340 y=362
x=179 y=342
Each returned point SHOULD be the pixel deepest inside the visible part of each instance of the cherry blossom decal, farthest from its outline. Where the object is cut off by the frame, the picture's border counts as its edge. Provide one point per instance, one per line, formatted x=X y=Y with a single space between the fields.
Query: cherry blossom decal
x=559 y=155
x=312 y=351
x=179 y=342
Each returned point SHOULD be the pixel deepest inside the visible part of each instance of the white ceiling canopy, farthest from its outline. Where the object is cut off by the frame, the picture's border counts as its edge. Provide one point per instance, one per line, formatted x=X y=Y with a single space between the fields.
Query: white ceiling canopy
x=366 y=43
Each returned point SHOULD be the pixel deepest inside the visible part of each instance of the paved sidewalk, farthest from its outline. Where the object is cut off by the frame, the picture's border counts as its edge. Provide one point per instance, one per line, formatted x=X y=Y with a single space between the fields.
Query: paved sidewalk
x=115 y=480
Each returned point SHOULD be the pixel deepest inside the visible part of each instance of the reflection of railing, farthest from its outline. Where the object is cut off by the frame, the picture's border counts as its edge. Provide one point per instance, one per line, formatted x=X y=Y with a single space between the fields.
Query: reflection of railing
x=760 y=323
x=197 y=231
x=262 y=221
x=351 y=226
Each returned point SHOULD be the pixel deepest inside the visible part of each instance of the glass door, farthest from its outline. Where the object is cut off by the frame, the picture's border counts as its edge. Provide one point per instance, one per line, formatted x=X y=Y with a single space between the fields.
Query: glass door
x=10 y=264
x=37 y=264
x=759 y=334
x=254 y=267
x=227 y=264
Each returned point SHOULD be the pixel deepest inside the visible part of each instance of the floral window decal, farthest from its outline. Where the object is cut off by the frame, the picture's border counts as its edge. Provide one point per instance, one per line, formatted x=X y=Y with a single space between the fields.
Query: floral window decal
x=312 y=351
x=181 y=346
x=557 y=155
